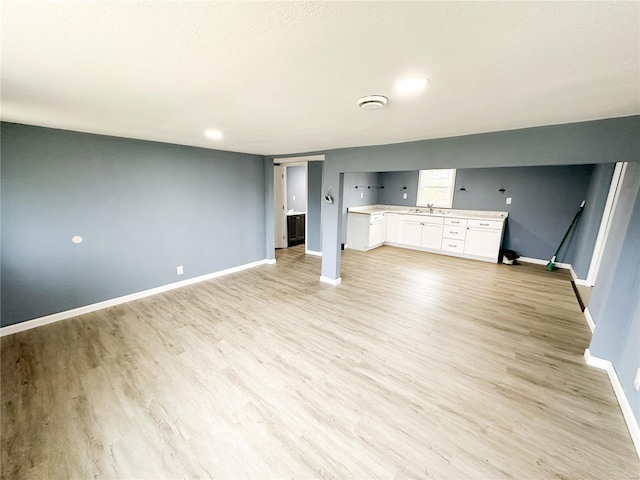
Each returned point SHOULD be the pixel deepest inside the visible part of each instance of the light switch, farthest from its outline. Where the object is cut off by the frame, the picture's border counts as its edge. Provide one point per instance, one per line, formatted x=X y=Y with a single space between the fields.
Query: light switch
x=508 y=200
x=361 y=194
x=404 y=195
x=294 y=197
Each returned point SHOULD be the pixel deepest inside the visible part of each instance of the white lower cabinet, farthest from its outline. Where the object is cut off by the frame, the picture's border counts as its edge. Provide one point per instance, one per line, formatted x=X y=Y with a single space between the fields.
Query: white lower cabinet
x=421 y=231
x=392 y=220
x=431 y=236
x=365 y=232
x=411 y=232
x=458 y=236
x=450 y=245
x=377 y=230
x=483 y=242
x=454 y=234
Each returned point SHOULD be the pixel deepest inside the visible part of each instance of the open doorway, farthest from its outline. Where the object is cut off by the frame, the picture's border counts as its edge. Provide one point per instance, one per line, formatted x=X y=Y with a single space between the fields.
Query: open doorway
x=290 y=203
x=298 y=202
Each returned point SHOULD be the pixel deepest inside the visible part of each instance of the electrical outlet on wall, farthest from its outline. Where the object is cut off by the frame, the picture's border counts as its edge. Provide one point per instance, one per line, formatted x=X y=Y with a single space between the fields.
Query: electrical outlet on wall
x=179 y=270
x=294 y=197
x=636 y=382
x=508 y=200
x=361 y=194
x=404 y=195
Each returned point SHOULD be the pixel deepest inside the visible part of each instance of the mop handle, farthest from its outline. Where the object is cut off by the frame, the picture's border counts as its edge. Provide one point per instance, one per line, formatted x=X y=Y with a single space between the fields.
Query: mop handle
x=570 y=227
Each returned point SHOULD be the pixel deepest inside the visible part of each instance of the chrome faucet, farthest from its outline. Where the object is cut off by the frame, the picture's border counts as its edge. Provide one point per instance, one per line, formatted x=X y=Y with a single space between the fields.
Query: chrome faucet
x=430 y=207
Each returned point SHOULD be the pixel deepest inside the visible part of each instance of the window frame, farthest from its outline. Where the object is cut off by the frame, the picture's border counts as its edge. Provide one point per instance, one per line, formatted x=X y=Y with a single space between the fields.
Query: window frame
x=422 y=174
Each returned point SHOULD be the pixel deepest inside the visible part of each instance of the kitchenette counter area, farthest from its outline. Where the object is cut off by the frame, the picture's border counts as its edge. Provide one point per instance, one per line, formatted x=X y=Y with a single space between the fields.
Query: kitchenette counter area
x=474 y=234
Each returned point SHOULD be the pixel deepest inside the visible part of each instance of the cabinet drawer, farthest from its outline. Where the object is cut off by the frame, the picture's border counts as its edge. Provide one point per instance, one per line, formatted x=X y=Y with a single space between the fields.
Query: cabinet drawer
x=495 y=224
x=430 y=220
x=457 y=233
x=450 y=245
x=460 y=222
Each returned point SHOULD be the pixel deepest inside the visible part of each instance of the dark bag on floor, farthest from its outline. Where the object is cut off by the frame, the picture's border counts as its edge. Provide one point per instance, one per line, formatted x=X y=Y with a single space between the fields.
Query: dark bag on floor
x=509 y=257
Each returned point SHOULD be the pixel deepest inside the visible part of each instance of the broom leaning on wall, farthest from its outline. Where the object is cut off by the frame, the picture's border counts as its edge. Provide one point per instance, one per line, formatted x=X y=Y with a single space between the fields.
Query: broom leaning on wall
x=575 y=219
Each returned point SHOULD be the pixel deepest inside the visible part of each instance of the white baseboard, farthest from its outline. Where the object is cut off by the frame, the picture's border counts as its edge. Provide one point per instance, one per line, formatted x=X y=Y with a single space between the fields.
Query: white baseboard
x=56 y=317
x=590 y=321
x=566 y=266
x=627 y=413
x=270 y=261
x=330 y=281
x=313 y=252
x=539 y=261
x=574 y=277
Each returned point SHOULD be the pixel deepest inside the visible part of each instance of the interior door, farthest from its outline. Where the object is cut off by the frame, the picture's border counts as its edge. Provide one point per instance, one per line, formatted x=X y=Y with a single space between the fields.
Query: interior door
x=279 y=209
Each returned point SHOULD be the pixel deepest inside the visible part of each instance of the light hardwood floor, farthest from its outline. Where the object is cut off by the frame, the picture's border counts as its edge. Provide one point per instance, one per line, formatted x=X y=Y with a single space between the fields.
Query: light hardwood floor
x=416 y=366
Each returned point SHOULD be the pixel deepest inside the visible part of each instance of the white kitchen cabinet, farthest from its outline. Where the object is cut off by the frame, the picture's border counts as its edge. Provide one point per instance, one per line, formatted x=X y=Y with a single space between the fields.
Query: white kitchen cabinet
x=392 y=220
x=411 y=233
x=451 y=245
x=421 y=231
x=431 y=236
x=365 y=231
x=463 y=234
x=377 y=230
x=455 y=233
x=483 y=242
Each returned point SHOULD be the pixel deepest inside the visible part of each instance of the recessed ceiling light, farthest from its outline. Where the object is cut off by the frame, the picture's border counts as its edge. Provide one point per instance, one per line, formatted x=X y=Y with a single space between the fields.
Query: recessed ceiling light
x=213 y=134
x=372 y=102
x=411 y=85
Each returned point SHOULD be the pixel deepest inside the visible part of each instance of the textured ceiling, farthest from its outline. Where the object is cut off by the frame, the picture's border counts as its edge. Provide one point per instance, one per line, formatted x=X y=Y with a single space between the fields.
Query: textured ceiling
x=284 y=77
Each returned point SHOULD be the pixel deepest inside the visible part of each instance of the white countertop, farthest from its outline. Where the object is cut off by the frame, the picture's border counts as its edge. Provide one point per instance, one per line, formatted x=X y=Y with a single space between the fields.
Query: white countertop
x=437 y=212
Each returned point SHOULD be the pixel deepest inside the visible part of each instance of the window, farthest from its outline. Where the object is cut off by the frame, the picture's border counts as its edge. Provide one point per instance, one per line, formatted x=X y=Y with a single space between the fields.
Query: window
x=435 y=187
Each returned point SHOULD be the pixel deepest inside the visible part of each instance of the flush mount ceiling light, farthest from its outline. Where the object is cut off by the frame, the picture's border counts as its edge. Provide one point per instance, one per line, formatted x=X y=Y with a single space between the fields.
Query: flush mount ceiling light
x=372 y=102
x=412 y=85
x=213 y=134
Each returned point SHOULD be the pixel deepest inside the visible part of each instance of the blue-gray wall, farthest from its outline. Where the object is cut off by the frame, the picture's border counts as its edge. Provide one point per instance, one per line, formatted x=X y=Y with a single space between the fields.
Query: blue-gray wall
x=314 y=206
x=544 y=201
x=588 y=227
x=394 y=188
x=297 y=188
x=143 y=208
x=615 y=300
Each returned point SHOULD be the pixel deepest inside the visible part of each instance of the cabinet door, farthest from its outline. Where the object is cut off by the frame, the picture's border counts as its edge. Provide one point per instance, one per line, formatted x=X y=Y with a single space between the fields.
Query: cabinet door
x=392 y=227
x=411 y=233
x=483 y=242
x=295 y=229
x=300 y=220
x=431 y=236
x=377 y=232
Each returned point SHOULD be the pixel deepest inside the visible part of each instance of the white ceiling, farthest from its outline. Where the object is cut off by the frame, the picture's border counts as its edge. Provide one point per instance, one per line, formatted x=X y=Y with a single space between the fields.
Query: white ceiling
x=284 y=77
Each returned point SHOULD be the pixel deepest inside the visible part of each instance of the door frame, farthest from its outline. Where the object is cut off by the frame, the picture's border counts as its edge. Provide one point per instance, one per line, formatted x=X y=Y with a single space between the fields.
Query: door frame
x=279 y=205
x=605 y=223
x=293 y=162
